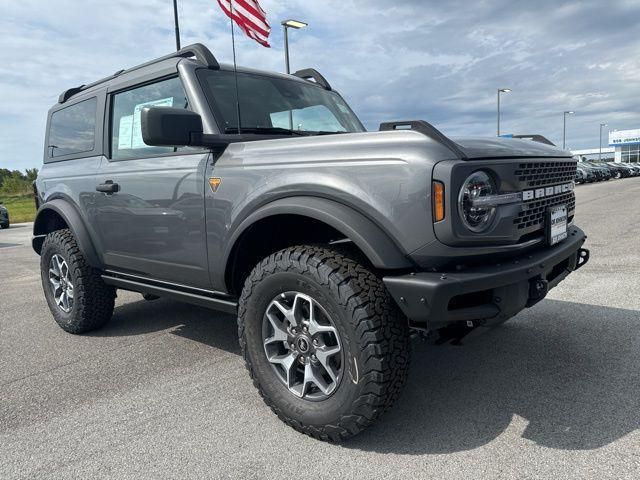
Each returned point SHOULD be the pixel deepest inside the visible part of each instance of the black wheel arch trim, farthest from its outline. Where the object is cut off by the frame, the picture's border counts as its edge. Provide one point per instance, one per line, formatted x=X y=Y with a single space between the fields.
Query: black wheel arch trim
x=372 y=240
x=74 y=221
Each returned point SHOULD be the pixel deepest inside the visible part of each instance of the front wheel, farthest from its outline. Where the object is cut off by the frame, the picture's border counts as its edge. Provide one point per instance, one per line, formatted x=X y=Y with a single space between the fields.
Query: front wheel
x=323 y=341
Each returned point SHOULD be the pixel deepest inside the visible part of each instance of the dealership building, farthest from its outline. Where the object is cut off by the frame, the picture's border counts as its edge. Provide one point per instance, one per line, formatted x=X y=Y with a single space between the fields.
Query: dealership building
x=624 y=146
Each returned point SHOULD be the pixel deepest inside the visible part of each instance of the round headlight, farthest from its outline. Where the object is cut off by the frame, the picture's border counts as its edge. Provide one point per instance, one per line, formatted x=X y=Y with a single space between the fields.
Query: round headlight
x=476 y=217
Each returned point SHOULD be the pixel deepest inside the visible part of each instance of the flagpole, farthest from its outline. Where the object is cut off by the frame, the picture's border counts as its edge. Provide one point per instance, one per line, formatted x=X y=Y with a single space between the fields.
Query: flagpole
x=235 y=68
x=175 y=19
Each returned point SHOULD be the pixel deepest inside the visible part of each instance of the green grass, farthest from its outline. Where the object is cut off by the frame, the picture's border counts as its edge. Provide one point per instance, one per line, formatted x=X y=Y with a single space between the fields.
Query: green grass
x=21 y=208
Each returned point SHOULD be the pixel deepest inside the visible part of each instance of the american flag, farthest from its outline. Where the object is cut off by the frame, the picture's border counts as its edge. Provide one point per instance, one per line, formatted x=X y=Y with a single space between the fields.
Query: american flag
x=249 y=17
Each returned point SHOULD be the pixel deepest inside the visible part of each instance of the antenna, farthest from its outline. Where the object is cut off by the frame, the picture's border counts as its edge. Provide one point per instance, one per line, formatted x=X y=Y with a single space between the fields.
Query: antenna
x=235 y=68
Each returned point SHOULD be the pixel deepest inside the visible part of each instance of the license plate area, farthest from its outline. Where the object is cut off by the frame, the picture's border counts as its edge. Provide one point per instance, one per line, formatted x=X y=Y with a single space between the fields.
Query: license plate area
x=556 y=224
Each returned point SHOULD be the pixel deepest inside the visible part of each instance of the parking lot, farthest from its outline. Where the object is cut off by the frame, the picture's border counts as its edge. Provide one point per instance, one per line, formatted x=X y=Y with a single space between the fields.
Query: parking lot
x=162 y=392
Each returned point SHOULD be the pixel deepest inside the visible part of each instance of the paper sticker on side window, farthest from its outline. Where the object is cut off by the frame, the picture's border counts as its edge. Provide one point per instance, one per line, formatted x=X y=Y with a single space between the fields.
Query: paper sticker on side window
x=130 y=131
x=125 y=132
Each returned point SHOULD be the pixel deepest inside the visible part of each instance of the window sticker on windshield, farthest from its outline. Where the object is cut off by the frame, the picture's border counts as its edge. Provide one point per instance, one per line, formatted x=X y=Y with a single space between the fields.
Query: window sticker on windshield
x=132 y=126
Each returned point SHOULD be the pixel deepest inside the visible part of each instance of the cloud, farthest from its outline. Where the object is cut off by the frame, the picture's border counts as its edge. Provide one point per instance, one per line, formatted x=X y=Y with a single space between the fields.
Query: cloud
x=439 y=61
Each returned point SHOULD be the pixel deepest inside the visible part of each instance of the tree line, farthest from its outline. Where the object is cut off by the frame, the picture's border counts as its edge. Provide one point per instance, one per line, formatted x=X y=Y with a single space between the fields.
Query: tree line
x=14 y=182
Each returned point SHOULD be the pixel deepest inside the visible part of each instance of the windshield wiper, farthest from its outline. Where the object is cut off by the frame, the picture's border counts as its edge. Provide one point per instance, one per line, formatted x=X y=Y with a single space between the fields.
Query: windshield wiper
x=326 y=132
x=266 y=131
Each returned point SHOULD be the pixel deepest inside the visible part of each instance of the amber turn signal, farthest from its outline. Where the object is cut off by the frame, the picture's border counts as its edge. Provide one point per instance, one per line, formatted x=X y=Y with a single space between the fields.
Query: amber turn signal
x=438 y=201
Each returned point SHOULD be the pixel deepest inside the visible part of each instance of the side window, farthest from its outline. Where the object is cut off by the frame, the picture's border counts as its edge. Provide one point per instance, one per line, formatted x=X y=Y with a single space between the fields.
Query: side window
x=126 y=134
x=73 y=129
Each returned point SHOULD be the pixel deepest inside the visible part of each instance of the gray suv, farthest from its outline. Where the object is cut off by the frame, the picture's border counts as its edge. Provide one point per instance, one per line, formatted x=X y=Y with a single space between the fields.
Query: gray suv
x=262 y=195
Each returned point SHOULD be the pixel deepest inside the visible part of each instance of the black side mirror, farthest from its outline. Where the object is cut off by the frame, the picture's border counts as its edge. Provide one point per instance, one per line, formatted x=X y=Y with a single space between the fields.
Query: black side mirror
x=177 y=127
x=170 y=127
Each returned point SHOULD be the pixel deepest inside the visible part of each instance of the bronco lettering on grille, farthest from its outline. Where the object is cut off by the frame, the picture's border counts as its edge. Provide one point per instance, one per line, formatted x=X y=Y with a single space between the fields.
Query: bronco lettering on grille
x=547 y=192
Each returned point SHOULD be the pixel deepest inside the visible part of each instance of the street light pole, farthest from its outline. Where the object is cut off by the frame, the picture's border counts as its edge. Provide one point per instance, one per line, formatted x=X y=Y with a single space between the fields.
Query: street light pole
x=564 y=126
x=501 y=90
x=600 y=156
x=286 y=49
x=286 y=25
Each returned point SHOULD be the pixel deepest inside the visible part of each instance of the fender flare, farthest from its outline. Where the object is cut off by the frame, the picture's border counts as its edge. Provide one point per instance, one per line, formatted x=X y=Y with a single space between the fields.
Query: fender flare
x=372 y=240
x=74 y=221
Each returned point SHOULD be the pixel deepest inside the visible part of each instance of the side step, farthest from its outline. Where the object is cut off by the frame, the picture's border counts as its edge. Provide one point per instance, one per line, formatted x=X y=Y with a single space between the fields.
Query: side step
x=203 y=298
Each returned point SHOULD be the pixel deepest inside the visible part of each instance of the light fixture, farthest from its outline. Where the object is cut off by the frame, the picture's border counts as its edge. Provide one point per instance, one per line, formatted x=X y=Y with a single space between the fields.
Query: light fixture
x=297 y=24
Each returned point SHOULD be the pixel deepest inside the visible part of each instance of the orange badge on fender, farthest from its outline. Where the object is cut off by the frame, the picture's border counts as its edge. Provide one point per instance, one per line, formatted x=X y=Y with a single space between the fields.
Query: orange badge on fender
x=214 y=183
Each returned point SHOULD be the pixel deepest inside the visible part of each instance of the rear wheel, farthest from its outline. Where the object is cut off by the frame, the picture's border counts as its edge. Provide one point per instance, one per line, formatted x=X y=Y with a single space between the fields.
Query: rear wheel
x=78 y=298
x=324 y=342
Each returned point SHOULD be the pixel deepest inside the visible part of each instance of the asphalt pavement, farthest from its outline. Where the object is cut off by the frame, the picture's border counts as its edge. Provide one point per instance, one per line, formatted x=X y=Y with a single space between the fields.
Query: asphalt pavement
x=162 y=392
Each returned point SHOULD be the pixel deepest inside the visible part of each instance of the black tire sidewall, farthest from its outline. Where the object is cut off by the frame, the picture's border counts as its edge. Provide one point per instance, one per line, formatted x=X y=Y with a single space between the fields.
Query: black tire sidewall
x=309 y=412
x=64 y=319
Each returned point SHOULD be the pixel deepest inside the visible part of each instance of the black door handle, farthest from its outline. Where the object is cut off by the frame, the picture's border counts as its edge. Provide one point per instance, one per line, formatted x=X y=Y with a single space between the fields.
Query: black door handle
x=108 y=187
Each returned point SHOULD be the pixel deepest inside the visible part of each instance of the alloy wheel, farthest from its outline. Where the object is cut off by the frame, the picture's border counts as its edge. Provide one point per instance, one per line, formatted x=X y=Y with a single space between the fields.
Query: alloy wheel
x=303 y=346
x=61 y=284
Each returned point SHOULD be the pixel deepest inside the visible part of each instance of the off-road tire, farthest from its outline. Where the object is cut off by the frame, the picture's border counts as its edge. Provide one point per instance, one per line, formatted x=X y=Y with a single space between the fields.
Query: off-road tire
x=93 y=299
x=373 y=331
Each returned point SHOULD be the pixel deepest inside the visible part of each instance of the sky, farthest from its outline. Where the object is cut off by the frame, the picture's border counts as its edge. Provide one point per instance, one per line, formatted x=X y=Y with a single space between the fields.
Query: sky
x=406 y=59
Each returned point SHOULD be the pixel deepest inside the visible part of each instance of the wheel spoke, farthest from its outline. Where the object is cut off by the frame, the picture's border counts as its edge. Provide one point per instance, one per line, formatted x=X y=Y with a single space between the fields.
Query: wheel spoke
x=324 y=354
x=70 y=291
x=279 y=331
x=299 y=302
x=288 y=362
x=60 y=263
x=64 y=270
x=313 y=376
x=55 y=283
x=287 y=312
x=64 y=300
x=316 y=328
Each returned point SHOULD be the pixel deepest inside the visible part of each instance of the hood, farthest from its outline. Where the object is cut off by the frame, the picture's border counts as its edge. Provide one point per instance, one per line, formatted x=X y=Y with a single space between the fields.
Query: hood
x=478 y=147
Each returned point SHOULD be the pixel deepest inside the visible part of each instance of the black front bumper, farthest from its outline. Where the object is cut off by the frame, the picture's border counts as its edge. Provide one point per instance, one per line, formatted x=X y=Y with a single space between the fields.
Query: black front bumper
x=486 y=294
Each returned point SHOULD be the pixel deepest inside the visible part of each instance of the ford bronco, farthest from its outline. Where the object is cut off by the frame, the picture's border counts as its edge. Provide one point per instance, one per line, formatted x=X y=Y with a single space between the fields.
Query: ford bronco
x=262 y=195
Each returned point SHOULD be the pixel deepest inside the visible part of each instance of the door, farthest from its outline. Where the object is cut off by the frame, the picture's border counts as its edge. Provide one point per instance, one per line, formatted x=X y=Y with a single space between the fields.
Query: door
x=150 y=200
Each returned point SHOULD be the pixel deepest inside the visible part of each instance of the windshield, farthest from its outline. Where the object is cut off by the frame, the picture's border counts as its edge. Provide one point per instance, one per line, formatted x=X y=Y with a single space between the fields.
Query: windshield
x=276 y=105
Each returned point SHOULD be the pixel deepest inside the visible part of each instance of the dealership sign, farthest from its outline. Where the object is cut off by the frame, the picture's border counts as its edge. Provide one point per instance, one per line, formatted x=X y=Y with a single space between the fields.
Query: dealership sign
x=624 y=137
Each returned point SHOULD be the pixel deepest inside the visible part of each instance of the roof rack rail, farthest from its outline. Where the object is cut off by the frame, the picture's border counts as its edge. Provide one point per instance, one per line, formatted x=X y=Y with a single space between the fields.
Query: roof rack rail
x=198 y=50
x=312 y=73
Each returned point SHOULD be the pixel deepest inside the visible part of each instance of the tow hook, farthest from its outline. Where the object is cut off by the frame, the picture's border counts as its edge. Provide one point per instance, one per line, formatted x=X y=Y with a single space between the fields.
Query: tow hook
x=583 y=258
x=538 y=289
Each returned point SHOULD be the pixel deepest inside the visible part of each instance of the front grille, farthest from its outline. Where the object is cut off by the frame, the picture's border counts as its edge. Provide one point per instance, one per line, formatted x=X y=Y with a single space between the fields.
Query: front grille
x=532 y=213
x=536 y=174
